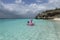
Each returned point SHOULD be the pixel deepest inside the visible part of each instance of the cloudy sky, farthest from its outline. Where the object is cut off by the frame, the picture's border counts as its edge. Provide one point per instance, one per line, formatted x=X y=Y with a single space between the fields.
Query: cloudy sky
x=25 y=8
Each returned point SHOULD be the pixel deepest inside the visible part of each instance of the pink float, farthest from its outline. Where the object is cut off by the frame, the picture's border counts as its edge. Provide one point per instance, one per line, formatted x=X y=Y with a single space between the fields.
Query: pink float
x=30 y=23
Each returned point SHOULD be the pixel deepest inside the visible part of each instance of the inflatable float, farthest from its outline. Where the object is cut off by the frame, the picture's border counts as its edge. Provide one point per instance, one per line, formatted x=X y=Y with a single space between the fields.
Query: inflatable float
x=30 y=23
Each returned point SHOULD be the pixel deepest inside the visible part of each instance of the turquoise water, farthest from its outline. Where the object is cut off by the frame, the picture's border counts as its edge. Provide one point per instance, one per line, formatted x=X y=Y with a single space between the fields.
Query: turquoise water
x=17 y=29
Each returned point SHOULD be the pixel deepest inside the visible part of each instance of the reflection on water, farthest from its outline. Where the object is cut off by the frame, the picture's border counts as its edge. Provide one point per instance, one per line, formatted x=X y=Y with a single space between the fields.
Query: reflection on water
x=11 y=29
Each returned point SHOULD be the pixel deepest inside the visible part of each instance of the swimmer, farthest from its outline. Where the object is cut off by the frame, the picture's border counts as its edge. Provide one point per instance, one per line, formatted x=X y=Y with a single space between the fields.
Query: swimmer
x=28 y=22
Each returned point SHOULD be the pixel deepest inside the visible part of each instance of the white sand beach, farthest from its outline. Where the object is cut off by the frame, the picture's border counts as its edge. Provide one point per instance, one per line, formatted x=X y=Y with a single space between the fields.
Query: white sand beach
x=57 y=19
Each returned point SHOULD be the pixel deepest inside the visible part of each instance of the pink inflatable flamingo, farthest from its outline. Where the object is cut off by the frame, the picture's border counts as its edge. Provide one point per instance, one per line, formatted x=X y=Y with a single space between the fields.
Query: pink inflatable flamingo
x=30 y=23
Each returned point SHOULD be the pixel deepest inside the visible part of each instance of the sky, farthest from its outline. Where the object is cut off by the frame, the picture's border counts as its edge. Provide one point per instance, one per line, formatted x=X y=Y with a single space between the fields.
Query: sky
x=26 y=8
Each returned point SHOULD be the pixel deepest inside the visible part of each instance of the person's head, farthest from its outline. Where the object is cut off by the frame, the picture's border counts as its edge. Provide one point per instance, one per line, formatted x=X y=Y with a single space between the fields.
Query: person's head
x=28 y=21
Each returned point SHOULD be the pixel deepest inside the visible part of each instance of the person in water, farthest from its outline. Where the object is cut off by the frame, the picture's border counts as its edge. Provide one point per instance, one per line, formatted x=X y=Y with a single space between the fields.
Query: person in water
x=28 y=22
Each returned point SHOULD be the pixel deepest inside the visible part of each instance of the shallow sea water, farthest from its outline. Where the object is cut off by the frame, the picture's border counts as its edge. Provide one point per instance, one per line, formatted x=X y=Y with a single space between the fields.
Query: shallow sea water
x=17 y=29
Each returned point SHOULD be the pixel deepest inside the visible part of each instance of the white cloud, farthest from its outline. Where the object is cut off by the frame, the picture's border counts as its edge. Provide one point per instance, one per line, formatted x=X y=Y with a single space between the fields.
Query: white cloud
x=53 y=1
x=18 y=1
x=1 y=4
x=53 y=4
x=22 y=8
x=38 y=0
x=35 y=8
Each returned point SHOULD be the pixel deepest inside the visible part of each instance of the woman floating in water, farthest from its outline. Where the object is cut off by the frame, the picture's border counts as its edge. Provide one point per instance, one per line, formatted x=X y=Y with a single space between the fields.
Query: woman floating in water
x=30 y=23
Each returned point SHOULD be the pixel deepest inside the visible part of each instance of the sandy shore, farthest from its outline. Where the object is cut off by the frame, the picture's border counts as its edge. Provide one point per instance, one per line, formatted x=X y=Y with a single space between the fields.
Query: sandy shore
x=56 y=19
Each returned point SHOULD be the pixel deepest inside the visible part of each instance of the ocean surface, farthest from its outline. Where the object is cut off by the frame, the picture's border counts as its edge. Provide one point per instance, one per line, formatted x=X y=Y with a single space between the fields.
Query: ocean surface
x=17 y=29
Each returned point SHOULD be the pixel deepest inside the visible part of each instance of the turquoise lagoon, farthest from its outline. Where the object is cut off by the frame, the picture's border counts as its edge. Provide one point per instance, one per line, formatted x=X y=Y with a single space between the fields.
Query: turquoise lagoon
x=17 y=29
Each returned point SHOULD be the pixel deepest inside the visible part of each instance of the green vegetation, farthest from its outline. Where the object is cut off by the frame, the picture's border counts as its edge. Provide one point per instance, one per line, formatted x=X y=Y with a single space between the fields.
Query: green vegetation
x=49 y=14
